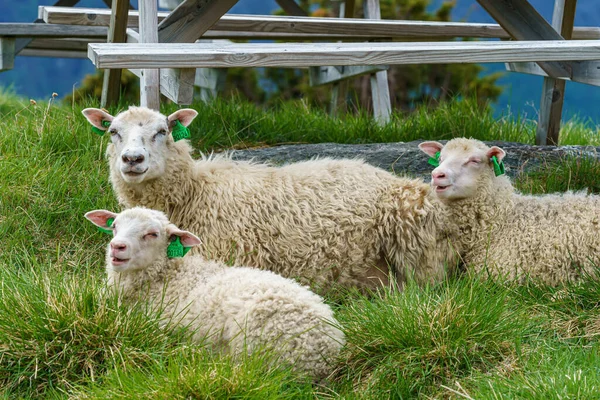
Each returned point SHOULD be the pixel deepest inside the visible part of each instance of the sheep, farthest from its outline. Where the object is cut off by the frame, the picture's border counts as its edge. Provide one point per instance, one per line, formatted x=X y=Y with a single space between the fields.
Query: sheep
x=326 y=222
x=504 y=234
x=237 y=308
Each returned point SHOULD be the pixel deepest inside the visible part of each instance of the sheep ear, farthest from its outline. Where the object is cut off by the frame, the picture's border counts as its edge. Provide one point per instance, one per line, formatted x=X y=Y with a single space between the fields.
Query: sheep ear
x=430 y=148
x=496 y=151
x=185 y=116
x=188 y=239
x=96 y=117
x=101 y=218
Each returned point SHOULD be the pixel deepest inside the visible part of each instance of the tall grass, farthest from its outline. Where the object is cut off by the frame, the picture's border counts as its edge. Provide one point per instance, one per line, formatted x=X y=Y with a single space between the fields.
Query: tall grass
x=63 y=336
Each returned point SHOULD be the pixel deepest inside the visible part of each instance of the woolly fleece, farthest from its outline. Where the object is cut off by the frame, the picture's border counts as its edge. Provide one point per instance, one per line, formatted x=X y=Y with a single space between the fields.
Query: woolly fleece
x=553 y=238
x=235 y=308
x=323 y=221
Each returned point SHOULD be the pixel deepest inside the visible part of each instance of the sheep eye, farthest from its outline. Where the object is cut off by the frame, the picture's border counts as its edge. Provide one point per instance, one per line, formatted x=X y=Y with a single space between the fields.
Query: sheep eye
x=114 y=134
x=151 y=235
x=474 y=161
x=161 y=132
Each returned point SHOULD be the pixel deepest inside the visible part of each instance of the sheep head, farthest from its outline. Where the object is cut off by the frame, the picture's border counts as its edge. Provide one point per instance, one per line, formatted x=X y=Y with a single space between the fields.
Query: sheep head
x=140 y=237
x=463 y=166
x=141 y=138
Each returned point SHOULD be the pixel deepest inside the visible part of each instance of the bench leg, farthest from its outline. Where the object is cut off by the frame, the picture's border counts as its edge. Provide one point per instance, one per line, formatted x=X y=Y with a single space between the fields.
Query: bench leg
x=7 y=53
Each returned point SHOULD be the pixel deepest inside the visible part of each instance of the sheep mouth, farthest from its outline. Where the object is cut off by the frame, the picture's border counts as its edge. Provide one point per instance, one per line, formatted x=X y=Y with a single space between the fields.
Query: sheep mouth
x=135 y=173
x=442 y=188
x=118 y=261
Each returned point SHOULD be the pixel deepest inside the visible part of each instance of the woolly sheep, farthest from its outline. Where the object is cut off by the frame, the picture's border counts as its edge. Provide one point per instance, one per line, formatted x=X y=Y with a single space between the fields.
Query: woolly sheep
x=237 y=308
x=322 y=221
x=553 y=238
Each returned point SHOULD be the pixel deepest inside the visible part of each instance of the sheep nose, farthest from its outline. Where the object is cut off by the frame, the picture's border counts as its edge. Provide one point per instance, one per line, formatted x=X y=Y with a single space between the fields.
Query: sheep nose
x=118 y=246
x=132 y=159
x=438 y=175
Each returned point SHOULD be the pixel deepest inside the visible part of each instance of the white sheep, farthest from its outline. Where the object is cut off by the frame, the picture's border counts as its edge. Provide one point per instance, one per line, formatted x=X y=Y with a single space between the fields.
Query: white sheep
x=236 y=308
x=322 y=221
x=553 y=238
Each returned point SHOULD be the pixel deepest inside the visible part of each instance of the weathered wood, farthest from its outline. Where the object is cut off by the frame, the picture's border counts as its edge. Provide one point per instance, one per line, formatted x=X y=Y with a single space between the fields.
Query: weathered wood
x=583 y=71
x=290 y=7
x=175 y=84
x=7 y=53
x=31 y=30
x=523 y=22
x=553 y=90
x=325 y=75
x=149 y=81
x=380 y=90
x=111 y=87
x=53 y=53
x=189 y=55
x=274 y=27
x=191 y=19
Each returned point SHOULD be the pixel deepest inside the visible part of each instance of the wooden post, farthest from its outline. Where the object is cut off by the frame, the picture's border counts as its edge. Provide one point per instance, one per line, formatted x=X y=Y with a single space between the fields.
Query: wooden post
x=338 y=103
x=380 y=90
x=7 y=53
x=111 y=86
x=553 y=90
x=149 y=83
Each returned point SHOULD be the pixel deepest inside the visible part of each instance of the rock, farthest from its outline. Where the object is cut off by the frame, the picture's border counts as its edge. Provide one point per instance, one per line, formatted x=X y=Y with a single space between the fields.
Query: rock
x=407 y=159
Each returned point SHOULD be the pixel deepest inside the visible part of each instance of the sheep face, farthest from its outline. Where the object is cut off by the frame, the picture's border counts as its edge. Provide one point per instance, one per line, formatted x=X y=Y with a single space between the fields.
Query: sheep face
x=463 y=165
x=140 y=237
x=141 y=138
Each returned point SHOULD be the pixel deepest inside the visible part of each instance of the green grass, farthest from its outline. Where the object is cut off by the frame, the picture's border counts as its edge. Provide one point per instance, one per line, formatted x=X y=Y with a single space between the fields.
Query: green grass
x=62 y=336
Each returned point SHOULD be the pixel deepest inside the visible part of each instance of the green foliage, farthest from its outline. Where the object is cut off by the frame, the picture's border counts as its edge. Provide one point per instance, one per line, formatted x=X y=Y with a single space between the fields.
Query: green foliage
x=63 y=336
x=91 y=88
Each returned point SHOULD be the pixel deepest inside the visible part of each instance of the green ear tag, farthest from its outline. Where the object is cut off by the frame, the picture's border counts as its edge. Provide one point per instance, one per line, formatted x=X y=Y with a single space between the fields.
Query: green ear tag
x=435 y=161
x=180 y=132
x=109 y=223
x=98 y=131
x=498 y=166
x=176 y=249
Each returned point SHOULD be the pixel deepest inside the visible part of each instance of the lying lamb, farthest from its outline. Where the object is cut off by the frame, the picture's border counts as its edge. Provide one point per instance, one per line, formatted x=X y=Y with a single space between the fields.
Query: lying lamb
x=322 y=221
x=236 y=308
x=552 y=238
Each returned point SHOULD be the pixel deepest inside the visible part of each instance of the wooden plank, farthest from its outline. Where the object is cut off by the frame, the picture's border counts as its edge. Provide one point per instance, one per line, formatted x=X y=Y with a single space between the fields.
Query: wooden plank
x=53 y=53
x=191 y=19
x=523 y=22
x=272 y=26
x=380 y=90
x=149 y=84
x=111 y=86
x=7 y=53
x=290 y=7
x=553 y=90
x=189 y=55
x=30 y=30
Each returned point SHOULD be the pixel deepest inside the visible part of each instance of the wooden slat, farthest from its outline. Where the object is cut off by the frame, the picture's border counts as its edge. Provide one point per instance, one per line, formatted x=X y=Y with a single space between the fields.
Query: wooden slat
x=523 y=22
x=111 y=86
x=7 y=53
x=189 y=55
x=380 y=91
x=48 y=30
x=188 y=22
x=554 y=89
x=149 y=81
x=271 y=26
x=52 y=53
